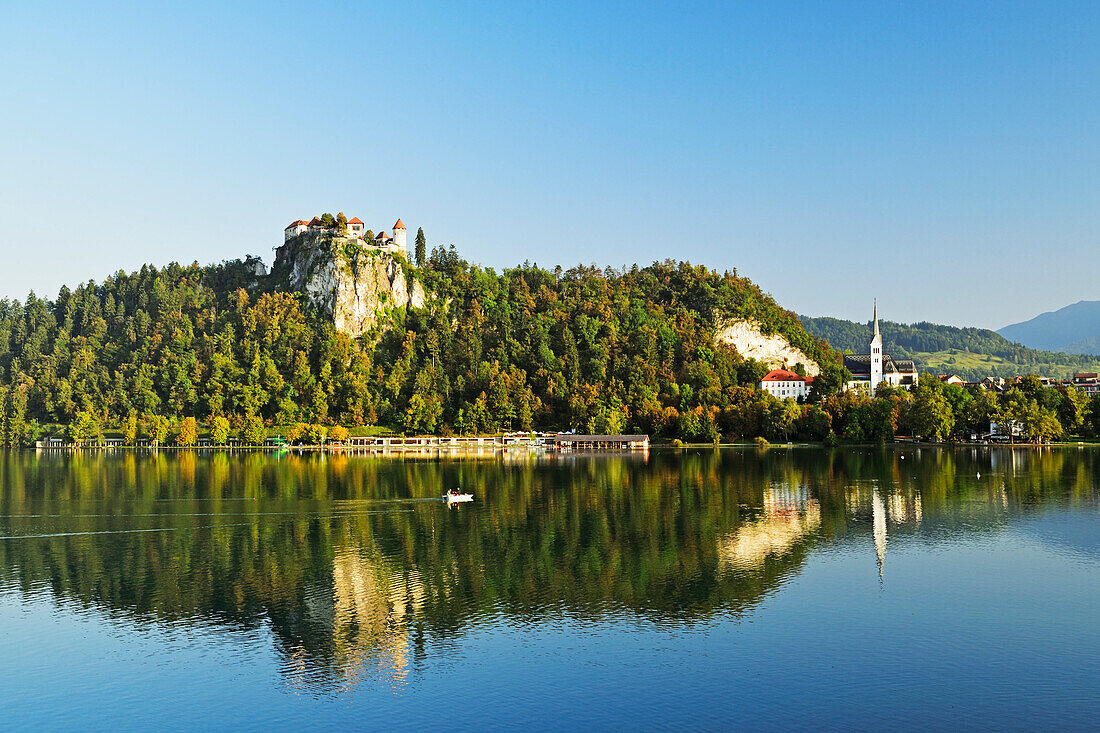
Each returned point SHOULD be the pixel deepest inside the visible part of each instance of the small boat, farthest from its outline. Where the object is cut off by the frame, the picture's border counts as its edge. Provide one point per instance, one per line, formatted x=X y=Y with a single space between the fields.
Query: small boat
x=455 y=496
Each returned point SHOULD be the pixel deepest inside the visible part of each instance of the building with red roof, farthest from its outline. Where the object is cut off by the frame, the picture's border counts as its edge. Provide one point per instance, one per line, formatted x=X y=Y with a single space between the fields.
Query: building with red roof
x=783 y=383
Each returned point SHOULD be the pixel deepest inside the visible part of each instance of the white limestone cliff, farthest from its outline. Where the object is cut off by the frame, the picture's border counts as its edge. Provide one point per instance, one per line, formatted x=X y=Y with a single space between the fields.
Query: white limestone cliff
x=770 y=349
x=353 y=283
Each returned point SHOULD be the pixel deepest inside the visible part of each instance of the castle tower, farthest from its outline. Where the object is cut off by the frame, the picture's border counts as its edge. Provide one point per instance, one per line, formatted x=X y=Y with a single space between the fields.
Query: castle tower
x=399 y=238
x=876 y=354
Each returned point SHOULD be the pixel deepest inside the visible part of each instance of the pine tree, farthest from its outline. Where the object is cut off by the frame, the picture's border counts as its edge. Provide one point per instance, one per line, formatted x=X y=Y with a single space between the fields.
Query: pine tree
x=421 y=247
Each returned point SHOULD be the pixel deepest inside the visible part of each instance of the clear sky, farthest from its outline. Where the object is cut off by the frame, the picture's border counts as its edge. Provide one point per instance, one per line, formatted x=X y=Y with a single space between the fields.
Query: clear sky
x=943 y=156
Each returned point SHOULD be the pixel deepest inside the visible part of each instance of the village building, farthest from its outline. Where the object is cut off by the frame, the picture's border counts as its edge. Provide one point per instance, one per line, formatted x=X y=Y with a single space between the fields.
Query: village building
x=356 y=229
x=873 y=368
x=1087 y=383
x=993 y=384
x=783 y=383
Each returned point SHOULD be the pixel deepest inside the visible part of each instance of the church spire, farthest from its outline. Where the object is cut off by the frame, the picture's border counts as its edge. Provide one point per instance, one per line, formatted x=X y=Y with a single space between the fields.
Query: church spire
x=876 y=318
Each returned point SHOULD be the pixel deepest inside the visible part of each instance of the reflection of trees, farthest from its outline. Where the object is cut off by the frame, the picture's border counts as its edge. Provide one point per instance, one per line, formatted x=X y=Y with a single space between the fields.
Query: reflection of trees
x=358 y=577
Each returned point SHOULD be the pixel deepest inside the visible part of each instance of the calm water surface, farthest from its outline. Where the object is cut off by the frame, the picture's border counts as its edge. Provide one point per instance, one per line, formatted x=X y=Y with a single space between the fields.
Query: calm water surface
x=796 y=588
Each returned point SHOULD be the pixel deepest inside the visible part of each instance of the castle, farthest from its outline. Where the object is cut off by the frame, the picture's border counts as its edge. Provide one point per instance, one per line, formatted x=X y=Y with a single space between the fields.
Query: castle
x=355 y=229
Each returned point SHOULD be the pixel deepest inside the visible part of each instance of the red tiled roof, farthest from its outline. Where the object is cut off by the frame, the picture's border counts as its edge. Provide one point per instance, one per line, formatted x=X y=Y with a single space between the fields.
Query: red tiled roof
x=399 y=225
x=296 y=223
x=315 y=220
x=356 y=220
x=782 y=375
x=380 y=235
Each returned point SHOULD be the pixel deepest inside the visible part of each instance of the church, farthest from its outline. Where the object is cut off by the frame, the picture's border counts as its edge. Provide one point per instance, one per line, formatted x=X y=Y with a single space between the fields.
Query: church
x=871 y=369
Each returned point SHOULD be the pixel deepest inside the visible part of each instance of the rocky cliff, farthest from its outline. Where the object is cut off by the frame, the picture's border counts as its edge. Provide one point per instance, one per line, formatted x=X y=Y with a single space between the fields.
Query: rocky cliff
x=353 y=283
x=771 y=349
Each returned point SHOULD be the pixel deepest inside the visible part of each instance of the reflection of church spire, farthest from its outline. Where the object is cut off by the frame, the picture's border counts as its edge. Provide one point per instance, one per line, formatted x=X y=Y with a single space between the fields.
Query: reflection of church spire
x=878 y=514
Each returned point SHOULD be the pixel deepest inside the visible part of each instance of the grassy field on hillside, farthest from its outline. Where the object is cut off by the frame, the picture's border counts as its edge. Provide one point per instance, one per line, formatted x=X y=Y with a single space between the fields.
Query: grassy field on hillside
x=970 y=366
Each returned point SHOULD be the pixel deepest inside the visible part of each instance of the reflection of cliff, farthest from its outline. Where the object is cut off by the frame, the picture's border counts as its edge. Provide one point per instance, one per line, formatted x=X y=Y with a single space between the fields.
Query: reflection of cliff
x=371 y=613
x=358 y=626
x=789 y=517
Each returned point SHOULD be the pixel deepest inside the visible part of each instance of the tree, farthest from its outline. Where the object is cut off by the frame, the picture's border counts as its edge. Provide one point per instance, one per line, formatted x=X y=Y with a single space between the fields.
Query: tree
x=314 y=434
x=1091 y=421
x=1043 y=425
x=338 y=434
x=421 y=248
x=830 y=381
x=84 y=428
x=815 y=423
x=14 y=408
x=219 y=430
x=930 y=414
x=1071 y=410
x=297 y=433
x=130 y=429
x=254 y=432
x=782 y=416
x=157 y=428
x=341 y=223
x=188 y=432
x=423 y=414
x=328 y=221
x=882 y=417
x=978 y=413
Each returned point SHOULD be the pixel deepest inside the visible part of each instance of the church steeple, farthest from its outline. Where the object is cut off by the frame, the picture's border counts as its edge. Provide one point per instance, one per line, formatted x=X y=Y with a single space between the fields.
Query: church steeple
x=876 y=354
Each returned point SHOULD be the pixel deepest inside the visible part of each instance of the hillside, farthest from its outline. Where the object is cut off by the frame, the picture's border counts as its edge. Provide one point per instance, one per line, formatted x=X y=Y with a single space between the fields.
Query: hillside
x=972 y=353
x=445 y=347
x=1074 y=329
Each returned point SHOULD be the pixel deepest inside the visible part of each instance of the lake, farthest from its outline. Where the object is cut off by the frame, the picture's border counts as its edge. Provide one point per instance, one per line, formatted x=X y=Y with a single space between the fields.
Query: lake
x=903 y=587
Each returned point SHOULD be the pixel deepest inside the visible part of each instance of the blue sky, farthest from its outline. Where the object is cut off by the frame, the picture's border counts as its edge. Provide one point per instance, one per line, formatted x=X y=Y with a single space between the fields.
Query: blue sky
x=942 y=156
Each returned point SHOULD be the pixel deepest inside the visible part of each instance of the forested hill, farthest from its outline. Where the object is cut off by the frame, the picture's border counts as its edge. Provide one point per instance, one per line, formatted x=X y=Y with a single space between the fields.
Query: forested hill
x=972 y=353
x=596 y=350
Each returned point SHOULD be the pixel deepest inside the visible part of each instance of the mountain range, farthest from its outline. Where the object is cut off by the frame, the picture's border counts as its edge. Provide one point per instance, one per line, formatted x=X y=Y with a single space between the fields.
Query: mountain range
x=1074 y=329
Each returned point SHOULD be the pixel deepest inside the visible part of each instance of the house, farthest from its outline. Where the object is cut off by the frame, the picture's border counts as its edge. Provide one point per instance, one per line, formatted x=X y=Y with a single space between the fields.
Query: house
x=782 y=383
x=1086 y=382
x=295 y=228
x=952 y=379
x=356 y=228
x=1005 y=430
x=993 y=384
x=872 y=369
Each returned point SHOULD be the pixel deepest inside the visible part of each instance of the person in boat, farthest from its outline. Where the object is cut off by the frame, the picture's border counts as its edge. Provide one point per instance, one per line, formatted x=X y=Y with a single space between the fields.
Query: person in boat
x=455 y=492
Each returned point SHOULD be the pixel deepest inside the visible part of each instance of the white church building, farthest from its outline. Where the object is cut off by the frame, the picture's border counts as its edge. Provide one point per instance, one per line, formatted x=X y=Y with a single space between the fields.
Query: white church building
x=872 y=369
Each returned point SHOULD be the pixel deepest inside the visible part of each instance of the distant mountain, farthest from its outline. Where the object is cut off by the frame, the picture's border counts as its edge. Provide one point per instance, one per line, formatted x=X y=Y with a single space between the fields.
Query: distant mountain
x=1074 y=329
x=972 y=353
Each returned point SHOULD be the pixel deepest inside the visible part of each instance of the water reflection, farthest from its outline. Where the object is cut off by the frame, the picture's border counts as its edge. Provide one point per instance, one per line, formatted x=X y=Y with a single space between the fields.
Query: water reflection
x=362 y=575
x=789 y=517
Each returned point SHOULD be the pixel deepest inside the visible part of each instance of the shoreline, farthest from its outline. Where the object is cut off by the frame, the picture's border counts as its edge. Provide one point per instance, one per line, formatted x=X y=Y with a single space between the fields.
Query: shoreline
x=497 y=448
